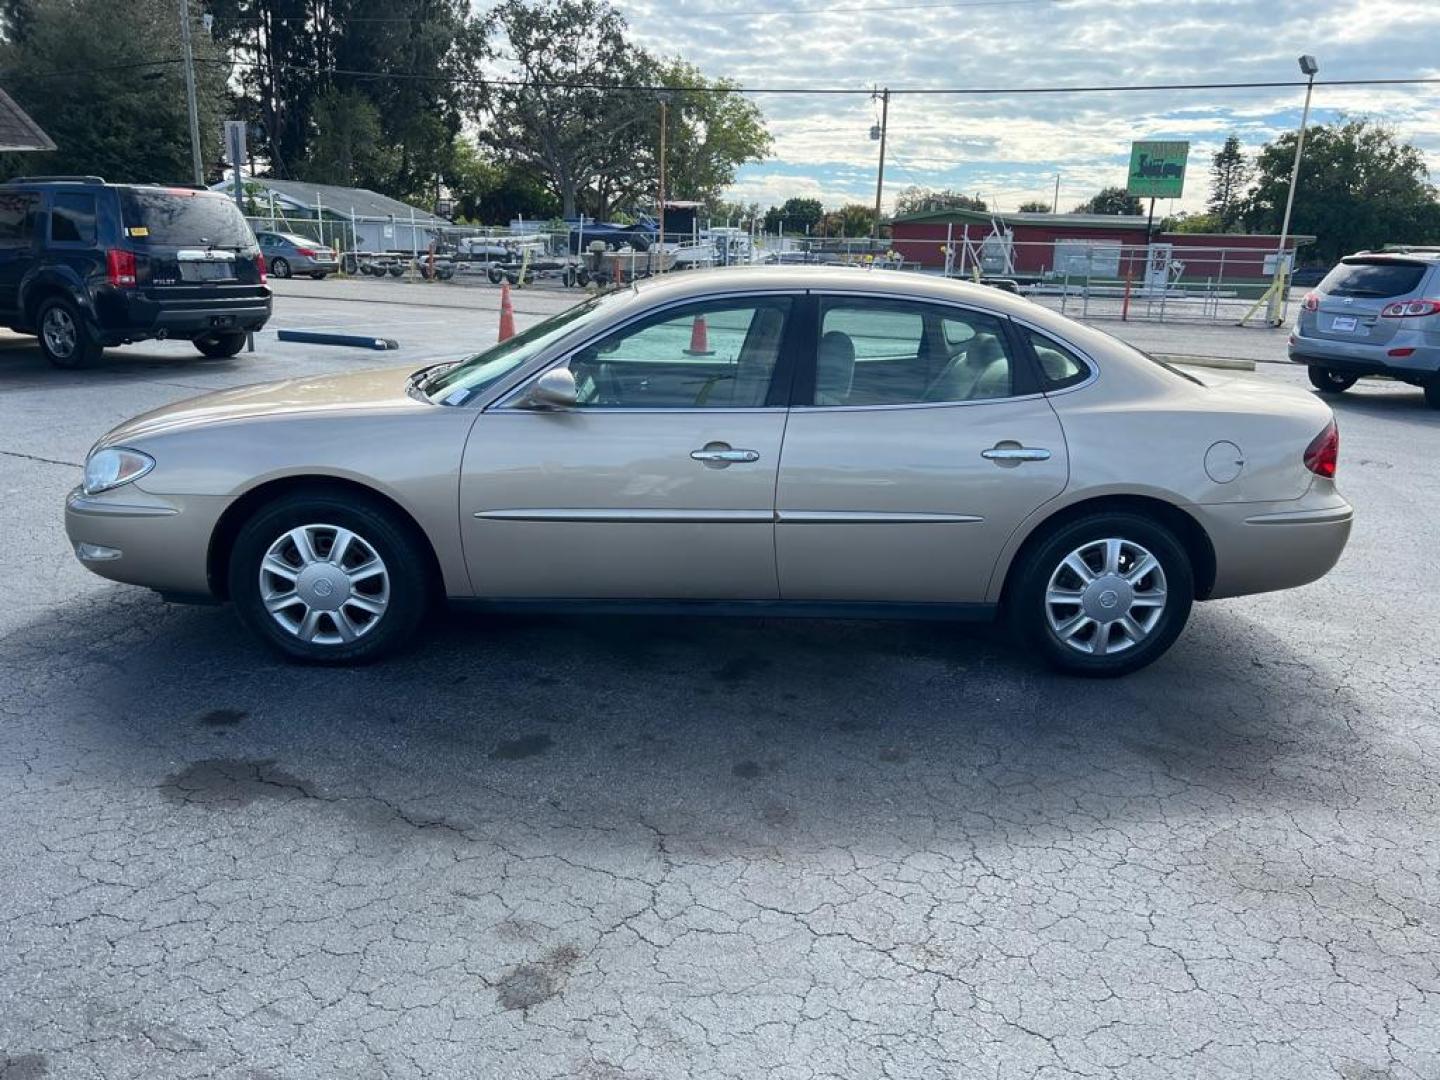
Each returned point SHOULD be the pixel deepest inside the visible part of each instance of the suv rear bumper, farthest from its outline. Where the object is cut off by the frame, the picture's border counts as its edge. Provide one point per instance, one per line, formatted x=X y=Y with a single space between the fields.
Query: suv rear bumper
x=1360 y=358
x=136 y=316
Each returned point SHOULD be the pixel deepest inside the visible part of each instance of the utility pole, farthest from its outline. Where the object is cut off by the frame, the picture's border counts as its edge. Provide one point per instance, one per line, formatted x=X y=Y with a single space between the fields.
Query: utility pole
x=1308 y=67
x=880 y=173
x=1055 y=205
x=660 y=199
x=189 y=57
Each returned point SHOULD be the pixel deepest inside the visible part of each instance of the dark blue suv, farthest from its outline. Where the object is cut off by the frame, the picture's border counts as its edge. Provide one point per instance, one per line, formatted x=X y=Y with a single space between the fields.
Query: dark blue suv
x=85 y=264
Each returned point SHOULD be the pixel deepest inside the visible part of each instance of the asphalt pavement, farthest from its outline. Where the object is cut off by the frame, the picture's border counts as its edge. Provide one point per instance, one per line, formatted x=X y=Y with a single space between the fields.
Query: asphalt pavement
x=612 y=848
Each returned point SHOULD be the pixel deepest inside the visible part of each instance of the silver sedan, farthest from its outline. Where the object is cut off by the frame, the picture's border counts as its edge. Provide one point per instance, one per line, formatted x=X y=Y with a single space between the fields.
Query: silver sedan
x=786 y=440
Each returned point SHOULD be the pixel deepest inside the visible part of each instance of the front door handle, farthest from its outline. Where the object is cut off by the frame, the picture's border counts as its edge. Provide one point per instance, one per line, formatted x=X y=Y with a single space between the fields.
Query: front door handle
x=1013 y=451
x=719 y=455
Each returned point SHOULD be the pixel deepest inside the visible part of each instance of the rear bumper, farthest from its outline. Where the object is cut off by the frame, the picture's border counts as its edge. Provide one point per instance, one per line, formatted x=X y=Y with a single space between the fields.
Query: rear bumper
x=1262 y=547
x=1360 y=358
x=135 y=316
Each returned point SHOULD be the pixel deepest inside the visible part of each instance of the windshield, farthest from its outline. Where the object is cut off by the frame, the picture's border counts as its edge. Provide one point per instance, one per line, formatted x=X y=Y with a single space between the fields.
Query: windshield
x=1379 y=278
x=177 y=217
x=456 y=385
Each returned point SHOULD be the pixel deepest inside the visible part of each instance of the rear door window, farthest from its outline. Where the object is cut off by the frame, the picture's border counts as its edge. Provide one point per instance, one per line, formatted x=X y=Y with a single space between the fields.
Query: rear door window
x=72 y=218
x=159 y=217
x=1373 y=278
x=17 y=217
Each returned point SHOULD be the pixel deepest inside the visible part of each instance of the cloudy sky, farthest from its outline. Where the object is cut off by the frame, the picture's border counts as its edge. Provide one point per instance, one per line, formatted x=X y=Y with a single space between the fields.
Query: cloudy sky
x=1010 y=147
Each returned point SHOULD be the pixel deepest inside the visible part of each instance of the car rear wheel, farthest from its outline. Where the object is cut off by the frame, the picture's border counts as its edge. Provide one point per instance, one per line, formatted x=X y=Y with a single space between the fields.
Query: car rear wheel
x=1104 y=595
x=280 y=267
x=219 y=346
x=1330 y=382
x=329 y=579
x=65 y=338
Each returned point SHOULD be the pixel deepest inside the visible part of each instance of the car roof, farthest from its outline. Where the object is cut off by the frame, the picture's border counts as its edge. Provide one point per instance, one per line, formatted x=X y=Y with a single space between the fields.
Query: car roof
x=883 y=283
x=1402 y=256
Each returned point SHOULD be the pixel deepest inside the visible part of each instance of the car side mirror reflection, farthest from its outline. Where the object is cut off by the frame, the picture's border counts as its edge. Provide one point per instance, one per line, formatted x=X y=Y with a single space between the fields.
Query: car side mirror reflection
x=553 y=390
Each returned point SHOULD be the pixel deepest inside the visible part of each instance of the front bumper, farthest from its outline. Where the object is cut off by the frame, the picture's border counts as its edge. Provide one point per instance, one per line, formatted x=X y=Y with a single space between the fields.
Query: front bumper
x=1262 y=547
x=132 y=536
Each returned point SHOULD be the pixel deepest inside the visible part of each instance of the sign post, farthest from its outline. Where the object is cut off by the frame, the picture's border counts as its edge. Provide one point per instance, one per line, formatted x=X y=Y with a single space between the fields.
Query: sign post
x=235 y=155
x=1157 y=169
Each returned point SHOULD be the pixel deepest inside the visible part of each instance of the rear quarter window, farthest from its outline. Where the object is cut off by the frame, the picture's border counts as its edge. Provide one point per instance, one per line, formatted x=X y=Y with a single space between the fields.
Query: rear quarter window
x=1377 y=278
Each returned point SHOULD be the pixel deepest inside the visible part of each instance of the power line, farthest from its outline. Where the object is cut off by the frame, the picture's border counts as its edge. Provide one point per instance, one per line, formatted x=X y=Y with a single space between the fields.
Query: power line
x=950 y=91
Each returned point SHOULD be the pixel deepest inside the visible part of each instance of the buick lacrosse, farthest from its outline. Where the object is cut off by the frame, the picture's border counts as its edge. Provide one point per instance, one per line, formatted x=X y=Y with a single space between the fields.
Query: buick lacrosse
x=781 y=440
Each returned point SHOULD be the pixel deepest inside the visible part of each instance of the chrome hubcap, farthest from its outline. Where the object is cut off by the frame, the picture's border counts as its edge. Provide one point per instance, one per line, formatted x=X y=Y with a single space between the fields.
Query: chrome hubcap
x=59 y=331
x=324 y=584
x=1105 y=597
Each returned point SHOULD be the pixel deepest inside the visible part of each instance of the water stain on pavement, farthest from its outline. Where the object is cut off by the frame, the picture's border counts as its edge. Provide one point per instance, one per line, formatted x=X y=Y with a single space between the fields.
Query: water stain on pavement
x=231 y=784
x=740 y=668
x=221 y=718
x=527 y=985
x=526 y=746
x=24 y=1067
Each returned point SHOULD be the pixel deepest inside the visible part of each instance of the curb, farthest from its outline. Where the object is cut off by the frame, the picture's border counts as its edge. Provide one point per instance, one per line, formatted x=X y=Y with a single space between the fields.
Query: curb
x=1225 y=363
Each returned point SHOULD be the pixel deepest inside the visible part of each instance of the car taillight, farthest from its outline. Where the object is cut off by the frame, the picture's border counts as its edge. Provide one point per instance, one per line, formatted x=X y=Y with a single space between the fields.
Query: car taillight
x=1323 y=453
x=120 y=268
x=260 y=265
x=1410 y=309
x=1311 y=301
x=309 y=253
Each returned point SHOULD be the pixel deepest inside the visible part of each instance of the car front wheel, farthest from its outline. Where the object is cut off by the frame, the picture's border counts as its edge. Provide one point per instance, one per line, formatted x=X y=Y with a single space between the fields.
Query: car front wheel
x=328 y=578
x=1104 y=595
x=1330 y=382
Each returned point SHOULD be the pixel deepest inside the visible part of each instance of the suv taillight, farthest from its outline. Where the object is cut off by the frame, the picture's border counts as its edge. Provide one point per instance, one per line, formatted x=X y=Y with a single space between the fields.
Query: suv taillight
x=120 y=268
x=1323 y=454
x=1410 y=309
x=260 y=265
x=1311 y=301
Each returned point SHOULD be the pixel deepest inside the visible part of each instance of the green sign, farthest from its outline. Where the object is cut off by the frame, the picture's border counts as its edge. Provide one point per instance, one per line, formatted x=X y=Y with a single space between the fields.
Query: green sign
x=1157 y=169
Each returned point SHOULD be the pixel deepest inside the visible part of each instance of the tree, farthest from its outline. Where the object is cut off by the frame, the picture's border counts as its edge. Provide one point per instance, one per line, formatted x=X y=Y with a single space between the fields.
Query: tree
x=1110 y=200
x=295 y=56
x=1034 y=206
x=125 y=125
x=852 y=219
x=710 y=132
x=1359 y=187
x=1185 y=222
x=920 y=200
x=794 y=215
x=1229 y=177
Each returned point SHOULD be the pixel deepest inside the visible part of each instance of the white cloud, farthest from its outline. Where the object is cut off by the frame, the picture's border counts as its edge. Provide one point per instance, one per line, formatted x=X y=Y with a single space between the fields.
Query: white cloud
x=1013 y=145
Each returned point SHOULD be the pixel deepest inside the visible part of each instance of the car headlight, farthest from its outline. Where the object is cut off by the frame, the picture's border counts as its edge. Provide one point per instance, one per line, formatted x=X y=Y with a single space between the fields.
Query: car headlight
x=114 y=466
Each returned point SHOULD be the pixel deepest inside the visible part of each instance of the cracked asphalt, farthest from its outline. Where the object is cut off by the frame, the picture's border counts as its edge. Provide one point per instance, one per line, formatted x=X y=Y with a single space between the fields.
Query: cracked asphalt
x=610 y=848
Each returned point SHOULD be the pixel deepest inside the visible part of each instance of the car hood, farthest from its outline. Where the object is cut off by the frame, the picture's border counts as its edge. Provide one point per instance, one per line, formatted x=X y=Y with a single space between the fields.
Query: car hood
x=360 y=392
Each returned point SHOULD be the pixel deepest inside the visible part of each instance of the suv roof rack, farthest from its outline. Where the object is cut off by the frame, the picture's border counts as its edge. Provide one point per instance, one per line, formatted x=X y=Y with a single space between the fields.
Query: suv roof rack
x=55 y=180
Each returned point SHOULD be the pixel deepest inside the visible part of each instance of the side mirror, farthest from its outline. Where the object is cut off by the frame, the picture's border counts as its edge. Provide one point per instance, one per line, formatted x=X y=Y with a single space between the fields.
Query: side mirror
x=553 y=390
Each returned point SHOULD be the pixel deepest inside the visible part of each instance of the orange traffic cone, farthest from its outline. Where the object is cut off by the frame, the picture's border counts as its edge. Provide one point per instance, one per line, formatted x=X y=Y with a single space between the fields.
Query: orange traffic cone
x=507 y=314
x=699 y=338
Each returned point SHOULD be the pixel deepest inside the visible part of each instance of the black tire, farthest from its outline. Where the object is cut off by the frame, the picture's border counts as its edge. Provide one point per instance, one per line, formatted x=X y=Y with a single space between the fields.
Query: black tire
x=397 y=270
x=495 y=275
x=279 y=267
x=220 y=346
x=1330 y=382
x=376 y=528
x=64 y=335
x=1432 y=394
x=582 y=277
x=320 y=275
x=1029 y=613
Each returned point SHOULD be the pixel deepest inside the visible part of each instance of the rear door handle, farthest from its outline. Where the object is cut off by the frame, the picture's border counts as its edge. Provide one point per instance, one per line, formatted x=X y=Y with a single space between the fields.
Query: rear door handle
x=1015 y=452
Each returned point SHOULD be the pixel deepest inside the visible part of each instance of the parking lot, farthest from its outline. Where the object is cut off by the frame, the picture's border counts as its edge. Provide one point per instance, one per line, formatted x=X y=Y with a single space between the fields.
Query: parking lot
x=545 y=847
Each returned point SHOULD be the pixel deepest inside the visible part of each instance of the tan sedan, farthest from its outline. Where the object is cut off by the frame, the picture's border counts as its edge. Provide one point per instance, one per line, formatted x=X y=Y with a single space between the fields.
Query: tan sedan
x=788 y=440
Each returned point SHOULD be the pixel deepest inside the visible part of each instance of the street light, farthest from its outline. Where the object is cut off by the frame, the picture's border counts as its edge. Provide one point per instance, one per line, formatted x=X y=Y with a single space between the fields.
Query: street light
x=1279 y=297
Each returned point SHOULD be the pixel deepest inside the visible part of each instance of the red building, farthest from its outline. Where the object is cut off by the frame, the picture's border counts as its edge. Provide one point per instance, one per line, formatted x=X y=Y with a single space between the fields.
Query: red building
x=1050 y=247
